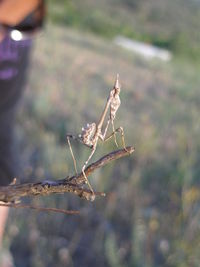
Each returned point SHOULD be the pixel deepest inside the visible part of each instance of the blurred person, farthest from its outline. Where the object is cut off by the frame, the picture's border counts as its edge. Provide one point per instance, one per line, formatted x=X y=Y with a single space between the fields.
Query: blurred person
x=19 y=20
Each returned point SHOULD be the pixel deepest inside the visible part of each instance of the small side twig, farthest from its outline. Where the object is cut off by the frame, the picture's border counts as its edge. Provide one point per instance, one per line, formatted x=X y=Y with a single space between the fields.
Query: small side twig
x=19 y=206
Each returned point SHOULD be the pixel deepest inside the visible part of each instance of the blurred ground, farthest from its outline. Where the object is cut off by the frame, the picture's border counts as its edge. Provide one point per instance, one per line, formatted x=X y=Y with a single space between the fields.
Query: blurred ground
x=151 y=214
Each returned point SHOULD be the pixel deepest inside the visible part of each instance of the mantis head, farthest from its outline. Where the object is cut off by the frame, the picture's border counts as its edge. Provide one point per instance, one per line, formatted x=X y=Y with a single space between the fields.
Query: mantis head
x=117 y=86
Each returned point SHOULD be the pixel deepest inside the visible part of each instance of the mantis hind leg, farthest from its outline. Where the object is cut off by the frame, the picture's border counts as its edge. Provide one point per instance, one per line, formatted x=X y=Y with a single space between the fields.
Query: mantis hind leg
x=114 y=132
x=118 y=130
x=71 y=151
x=83 y=170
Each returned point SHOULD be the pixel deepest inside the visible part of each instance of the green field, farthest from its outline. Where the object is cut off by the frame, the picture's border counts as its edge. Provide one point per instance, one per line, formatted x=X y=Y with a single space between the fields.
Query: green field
x=150 y=217
x=171 y=24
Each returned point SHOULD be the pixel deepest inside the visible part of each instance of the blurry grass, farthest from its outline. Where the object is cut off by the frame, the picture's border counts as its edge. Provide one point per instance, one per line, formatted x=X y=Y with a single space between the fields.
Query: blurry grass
x=70 y=78
x=169 y=24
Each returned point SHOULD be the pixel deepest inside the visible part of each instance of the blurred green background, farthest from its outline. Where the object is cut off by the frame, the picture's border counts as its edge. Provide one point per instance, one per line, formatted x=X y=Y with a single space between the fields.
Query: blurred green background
x=151 y=214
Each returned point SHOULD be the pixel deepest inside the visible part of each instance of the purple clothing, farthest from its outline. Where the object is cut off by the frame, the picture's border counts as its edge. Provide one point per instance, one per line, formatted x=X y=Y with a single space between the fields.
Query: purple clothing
x=10 y=51
x=14 y=57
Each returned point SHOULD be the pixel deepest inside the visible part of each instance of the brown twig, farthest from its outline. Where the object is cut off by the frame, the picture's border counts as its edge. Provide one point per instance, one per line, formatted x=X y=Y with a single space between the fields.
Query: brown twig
x=37 y=208
x=14 y=192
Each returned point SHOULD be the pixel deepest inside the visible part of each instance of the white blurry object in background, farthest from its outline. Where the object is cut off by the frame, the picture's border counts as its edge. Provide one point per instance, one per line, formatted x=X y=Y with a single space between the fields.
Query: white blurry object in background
x=146 y=50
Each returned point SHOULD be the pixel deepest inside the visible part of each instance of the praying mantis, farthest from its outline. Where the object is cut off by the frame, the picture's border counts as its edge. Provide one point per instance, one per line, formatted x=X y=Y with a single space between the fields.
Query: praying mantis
x=91 y=134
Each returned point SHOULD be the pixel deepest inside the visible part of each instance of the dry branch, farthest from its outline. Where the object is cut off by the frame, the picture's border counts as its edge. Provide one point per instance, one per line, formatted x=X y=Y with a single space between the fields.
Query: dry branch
x=14 y=192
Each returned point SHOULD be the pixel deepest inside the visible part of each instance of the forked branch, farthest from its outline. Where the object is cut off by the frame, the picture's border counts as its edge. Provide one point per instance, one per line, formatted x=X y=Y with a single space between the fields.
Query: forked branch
x=75 y=184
